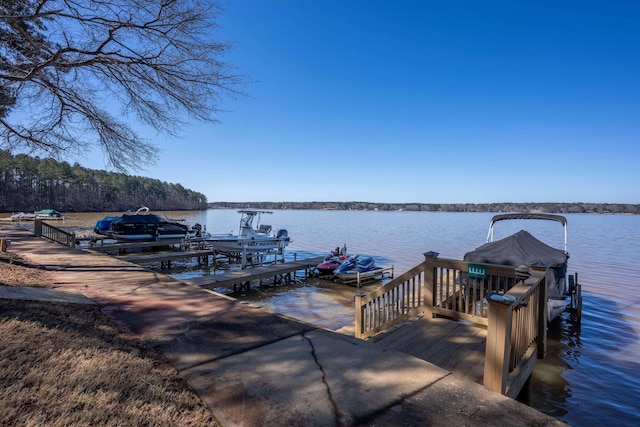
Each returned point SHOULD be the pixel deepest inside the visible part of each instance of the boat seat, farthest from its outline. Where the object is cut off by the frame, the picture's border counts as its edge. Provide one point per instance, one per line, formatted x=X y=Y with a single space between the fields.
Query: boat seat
x=264 y=228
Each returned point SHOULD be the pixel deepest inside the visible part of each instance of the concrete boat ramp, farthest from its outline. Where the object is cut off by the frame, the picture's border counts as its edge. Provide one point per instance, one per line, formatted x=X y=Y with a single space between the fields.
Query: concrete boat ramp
x=256 y=368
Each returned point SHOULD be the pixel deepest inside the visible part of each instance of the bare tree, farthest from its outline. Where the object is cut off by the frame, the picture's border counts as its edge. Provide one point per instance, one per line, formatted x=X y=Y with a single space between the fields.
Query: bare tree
x=63 y=63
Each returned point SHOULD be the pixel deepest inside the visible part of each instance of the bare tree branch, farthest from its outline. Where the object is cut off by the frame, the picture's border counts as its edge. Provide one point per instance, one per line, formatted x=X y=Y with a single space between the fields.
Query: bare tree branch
x=63 y=63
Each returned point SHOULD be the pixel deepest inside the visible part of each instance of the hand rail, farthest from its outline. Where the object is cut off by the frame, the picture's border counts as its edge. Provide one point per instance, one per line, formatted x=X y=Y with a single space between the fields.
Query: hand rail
x=516 y=319
x=434 y=287
x=516 y=332
x=42 y=229
x=392 y=303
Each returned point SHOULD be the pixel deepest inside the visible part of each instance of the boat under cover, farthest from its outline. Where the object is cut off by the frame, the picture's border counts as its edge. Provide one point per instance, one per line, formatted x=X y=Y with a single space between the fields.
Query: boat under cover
x=522 y=248
x=143 y=226
x=103 y=226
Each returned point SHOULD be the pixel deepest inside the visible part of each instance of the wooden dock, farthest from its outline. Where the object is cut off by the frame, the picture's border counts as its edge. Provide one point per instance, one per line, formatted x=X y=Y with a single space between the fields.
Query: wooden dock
x=121 y=247
x=501 y=315
x=165 y=258
x=360 y=278
x=452 y=345
x=241 y=279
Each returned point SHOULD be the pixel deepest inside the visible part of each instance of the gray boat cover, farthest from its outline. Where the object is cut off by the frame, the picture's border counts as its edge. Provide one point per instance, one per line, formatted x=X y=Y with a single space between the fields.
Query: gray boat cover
x=518 y=249
x=522 y=248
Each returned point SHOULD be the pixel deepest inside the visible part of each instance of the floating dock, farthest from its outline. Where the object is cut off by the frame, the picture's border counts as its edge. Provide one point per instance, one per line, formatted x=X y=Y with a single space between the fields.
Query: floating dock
x=121 y=247
x=165 y=258
x=240 y=280
x=360 y=278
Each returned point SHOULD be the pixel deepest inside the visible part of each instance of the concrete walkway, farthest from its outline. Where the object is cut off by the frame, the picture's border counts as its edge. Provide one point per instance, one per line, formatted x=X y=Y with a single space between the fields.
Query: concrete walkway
x=255 y=368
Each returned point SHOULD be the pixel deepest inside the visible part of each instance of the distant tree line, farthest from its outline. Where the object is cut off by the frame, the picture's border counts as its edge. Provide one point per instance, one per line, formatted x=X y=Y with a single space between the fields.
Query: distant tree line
x=29 y=184
x=560 y=208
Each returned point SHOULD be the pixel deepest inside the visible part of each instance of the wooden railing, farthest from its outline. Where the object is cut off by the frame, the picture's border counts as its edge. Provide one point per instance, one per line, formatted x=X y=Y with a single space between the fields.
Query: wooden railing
x=435 y=287
x=516 y=335
x=516 y=321
x=392 y=303
x=42 y=229
x=457 y=295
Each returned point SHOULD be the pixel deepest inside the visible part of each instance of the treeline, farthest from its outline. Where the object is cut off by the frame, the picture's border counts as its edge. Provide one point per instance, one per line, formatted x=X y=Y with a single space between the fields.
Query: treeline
x=29 y=184
x=560 y=208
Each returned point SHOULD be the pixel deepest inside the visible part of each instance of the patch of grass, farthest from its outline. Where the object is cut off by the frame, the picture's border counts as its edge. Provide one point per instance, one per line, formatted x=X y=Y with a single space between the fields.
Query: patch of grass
x=67 y=364
x=15 y=271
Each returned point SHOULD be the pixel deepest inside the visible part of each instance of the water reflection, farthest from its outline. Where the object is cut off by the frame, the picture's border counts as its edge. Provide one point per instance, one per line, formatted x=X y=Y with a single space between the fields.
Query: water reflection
x=320 y=302
x=591 y=375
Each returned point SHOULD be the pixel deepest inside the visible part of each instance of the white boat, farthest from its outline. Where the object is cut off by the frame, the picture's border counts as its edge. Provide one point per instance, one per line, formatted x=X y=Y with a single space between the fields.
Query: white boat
x=43 y=214
x=252 y=236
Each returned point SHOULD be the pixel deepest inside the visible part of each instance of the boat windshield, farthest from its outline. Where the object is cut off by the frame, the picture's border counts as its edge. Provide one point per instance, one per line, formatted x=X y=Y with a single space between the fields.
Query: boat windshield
x=247 y=220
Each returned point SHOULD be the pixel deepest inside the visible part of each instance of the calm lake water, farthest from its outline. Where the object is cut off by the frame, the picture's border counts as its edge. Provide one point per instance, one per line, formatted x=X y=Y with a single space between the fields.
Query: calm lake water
x=591 y=375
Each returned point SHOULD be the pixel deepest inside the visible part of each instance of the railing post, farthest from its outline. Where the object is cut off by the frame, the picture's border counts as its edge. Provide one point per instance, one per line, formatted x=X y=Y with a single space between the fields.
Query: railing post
x=37 y=227
x=359 y=323
x=541 y=339
x=496 y=361
x=429 y=282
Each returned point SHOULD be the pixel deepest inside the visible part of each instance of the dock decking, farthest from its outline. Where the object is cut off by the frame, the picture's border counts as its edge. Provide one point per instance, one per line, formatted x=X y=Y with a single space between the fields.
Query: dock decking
x=455 y=346
x=511 y=329
x=241 y=278
x=167 y=257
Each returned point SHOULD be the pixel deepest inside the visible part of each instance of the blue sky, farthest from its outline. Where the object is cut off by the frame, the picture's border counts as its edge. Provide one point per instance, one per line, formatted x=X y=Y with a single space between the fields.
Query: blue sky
x=421 y=101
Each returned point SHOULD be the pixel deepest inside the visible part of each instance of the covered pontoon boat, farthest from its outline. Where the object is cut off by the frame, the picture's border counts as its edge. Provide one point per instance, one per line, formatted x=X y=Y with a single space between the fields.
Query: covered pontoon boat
x=522 y=248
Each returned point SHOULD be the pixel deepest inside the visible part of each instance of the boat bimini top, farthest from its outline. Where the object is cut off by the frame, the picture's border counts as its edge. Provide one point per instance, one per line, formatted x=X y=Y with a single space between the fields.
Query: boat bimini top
x=542 y=216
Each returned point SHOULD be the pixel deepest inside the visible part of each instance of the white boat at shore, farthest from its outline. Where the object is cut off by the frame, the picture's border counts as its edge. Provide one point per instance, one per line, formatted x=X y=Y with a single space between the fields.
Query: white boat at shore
x=49 y=214
x=252 y=236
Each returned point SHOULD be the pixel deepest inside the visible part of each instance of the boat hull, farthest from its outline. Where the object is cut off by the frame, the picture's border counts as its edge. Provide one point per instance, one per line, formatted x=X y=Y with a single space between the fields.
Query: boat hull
x=327 y=268
x=146 y=227
x=147 y=237
x=133 y=237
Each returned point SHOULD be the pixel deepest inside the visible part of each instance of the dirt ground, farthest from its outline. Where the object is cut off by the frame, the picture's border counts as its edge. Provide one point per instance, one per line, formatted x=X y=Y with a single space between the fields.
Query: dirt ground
x=14 y=271
x=68 y=364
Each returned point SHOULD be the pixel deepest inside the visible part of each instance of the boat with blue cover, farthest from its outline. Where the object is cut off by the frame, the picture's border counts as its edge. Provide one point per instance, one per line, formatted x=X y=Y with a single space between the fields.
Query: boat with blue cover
x=143 y=226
